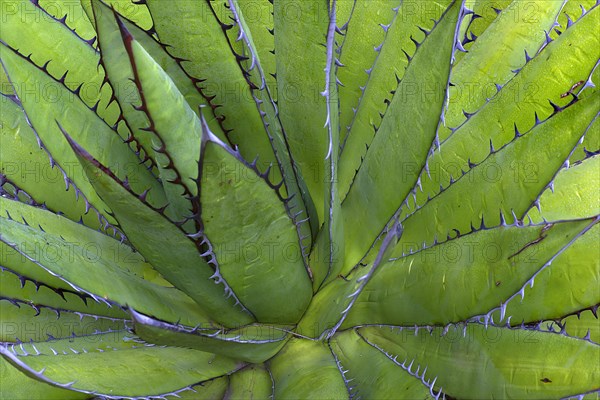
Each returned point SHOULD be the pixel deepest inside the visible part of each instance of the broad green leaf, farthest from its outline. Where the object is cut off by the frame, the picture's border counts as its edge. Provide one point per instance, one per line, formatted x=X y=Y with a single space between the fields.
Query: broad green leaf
x=474 y=25
x=115 y=61
x=43 y=110
x=47 y=41
x=137 y=13
x=28 y=167
x=174 y=128
x=253 y=239
x=463 y=277
x=253 y=382
x=258 y=21
x=16 y=385
x=574 y=194
x=98 y=274
x=74 y=17
x=504 y=363
x=327 y=257
x=96 y=245
x=571 y=283
x=367 y=29
x=164 y=245
x=572 y=10
x=571 y=58
x=306 y=369
x=389 y=66
x=521 y=27
x=590 y=144
x=23 y=322
x=26 y=291
x=300 y=205
x=116 y=364
x=212 y=389
x=399 y=149
x=126 y=91
x=301 y=29
x=583 y=324
x=372 y=374
x=251 y=343
x=194 y=34
x=500 y=185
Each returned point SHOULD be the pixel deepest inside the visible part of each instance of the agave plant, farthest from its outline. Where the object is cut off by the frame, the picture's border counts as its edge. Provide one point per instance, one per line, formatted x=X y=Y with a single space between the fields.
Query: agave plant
x=300 y=199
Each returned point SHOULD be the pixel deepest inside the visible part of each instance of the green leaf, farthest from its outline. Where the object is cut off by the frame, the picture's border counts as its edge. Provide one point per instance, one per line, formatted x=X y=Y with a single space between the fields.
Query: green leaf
x=571 y=57
x=574 y=193
x=24 y=290
x=327 y=257
x=301 y=29
x=371 y=373
x=174 y=127
x=474 y=25
x=194 y=34
x=28 y=167
x=306 y=369
x=16 y=385
x=171 y=252
x=463 y=277
x=253 y=382
x=521 y=27
x=398 y=151
x=91 y=131
x=367 y=29
x=300 y=205
x=254 y=240
x=98 y=274
x=498 y=355
x=383 y=75
x=22 y=322
x=570 y=284
x=212 y=389
x=582 y=324
x=500 y=185
x=251 y=343
x=116 y=364
x=45 y=42
x=97 y=245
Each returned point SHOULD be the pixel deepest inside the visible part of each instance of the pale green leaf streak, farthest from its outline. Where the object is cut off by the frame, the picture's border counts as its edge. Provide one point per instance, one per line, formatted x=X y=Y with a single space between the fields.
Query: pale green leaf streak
x=33 y=173
x=571 y=58
x=17 y=385
x=86 y=127
x=26 y=323
x=570 y=284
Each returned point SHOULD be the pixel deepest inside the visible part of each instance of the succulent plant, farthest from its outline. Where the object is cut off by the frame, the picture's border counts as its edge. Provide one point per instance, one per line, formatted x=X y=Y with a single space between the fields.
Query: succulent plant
x=300 y=199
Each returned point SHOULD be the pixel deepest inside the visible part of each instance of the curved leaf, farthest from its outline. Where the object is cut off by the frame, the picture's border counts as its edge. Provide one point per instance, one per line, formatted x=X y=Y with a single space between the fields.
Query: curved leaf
x=495 y=357
x=115 y=365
